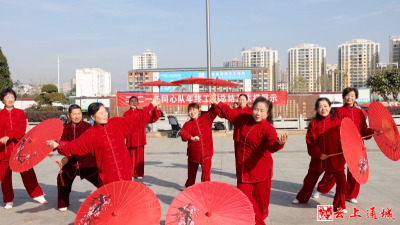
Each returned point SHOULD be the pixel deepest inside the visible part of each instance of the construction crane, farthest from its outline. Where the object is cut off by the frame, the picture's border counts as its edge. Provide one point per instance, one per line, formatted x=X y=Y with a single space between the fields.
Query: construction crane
x=345 y=76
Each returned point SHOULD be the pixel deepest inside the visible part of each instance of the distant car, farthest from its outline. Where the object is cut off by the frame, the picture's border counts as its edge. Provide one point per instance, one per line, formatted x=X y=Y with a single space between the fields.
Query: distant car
x=336 y=104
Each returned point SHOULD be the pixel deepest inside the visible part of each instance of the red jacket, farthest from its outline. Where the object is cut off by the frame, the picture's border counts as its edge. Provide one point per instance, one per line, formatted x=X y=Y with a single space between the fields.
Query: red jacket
x=107 y=144
x=139 y=137
x=256 y=143
x=198 y=151
x=239 y=110
x=358 y=118
x=324 y=137
x=12 y=124
x=70 y=133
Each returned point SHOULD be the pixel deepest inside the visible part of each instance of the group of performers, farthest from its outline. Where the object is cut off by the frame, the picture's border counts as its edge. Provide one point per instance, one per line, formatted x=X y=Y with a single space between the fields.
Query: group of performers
x=113 y=149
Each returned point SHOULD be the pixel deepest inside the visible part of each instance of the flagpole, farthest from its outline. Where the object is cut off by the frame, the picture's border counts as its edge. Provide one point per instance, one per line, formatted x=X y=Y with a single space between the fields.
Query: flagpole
x=58 y=76
x=208 y=41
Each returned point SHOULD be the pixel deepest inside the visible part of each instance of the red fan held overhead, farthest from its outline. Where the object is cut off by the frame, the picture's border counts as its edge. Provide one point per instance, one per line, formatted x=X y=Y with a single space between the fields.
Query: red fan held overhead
x=192 y=80
x=159 y=83
x=218 y=83
x=121 y=202
x=389 y=141
x=32 y=147
x=209 y=203
x=354 y=151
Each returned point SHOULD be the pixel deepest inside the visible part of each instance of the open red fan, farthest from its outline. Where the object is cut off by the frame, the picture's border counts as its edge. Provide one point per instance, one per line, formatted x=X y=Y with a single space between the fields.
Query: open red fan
x=389 y=141
x=121 y=202
x=209 y=203
x=32 y=147
x=159 y=83
x=218 y=83
x=354 y=151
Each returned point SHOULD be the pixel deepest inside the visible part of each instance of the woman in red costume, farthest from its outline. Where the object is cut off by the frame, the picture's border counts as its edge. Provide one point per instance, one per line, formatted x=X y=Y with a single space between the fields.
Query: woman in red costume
x=135 y=142
x=12 y=129
x=323 y=139
x=82 y=166
x=357 y=116
x=198 y=133
x=257 y=140
x=106 y=141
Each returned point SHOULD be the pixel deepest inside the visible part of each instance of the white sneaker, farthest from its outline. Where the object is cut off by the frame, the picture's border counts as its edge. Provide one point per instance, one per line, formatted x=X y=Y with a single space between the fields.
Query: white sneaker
x=9 y=205
x=139 y=178
x=295 y=201
x=40 y=199
x=63 y=209
x=344 y=211
x=353 y=200
x=183 y=188
x=316 y=194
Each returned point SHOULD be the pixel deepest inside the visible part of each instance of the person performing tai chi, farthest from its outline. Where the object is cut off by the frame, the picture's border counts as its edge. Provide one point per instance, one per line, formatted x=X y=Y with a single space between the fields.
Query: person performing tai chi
x=323 y=139
x=12 y=129
x=84 y=166
x=135 y=142
x=348 y=110
x=257 y=140
x=106 y=141
x=198 y=133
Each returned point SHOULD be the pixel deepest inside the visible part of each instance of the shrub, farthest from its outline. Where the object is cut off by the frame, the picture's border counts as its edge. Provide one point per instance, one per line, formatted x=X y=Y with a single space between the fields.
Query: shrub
x=394 y=110
x=37 y=116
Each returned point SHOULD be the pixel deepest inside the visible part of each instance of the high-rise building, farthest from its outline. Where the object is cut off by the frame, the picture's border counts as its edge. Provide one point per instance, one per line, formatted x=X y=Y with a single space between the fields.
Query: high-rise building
x=147 y=60
x=394 y=50
x=233 y=63
x=263 y=57
x=73 y=82
x=93 y=82
x=308 y=61
x=359 y=58
x=284 y=76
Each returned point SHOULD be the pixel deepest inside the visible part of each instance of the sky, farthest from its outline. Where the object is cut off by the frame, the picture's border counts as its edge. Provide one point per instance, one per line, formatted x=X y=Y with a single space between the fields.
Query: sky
x=105 y=34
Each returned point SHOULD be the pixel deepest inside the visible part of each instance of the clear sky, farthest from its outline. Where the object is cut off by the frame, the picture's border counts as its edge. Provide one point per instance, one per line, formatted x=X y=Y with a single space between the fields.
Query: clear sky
x=106 y=34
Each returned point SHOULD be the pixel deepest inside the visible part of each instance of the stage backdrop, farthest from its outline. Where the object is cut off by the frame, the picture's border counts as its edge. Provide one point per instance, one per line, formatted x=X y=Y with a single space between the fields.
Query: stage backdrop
x=184 y=98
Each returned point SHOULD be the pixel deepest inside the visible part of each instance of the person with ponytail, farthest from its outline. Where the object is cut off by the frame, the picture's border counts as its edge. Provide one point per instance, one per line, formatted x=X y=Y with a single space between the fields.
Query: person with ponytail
x=257 y=140
x=323 y=139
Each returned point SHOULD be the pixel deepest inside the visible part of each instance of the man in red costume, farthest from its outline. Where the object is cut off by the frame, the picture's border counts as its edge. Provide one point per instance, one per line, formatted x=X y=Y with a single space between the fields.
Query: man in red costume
x=198 y=133
x=106 y=141
x=135 y=142
x=12 y=129
x=254 y=164
x=348 y=110
x=84 y=166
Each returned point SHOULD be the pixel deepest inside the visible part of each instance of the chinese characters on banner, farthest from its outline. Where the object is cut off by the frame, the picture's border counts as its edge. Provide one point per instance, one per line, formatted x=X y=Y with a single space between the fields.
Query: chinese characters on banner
x=325 y=213
x=202 y=98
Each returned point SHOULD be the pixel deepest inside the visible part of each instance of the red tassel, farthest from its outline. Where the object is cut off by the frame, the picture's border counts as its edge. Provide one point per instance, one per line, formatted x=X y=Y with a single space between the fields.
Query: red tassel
x=60 y=172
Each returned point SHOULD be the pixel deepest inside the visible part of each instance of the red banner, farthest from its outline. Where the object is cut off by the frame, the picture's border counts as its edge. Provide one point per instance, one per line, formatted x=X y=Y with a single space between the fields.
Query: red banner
x=184 y=98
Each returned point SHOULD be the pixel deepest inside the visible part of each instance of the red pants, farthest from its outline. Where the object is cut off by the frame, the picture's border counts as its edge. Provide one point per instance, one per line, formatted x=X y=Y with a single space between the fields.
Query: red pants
x=352 y=187
x=192 y=171
x=28 y=178
x=68 y=176
x=311 y=180
x=137 y=156
x=258 y=193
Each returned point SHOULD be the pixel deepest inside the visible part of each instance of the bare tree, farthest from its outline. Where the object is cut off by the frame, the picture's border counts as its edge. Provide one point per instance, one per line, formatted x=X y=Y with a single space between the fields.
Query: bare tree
x=38 y=82
x=325 y=83
x=299 y=85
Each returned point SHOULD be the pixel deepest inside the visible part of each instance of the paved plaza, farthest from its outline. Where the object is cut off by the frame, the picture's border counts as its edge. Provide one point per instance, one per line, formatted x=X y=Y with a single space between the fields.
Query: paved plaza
x=165 y=173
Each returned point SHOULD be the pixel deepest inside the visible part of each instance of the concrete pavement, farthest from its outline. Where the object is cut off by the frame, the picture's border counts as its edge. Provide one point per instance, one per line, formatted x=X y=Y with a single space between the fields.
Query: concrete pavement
x=165 y=173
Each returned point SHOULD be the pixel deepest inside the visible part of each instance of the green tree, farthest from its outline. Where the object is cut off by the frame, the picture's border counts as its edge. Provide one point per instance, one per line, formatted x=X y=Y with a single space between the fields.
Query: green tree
x=5 y=79
x=299 y=85
x=49 y=95
x=72 y=90
x=385 y=82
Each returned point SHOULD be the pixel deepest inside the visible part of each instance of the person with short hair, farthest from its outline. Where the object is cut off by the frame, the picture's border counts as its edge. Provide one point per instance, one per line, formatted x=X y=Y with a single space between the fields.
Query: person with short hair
x=135 y=142
x=83 y=166
x=198 y=133
x=279 y=116
x=12 y=128
x=323 y=139
x=106 y=141
x=348 y=110
x=257 y=140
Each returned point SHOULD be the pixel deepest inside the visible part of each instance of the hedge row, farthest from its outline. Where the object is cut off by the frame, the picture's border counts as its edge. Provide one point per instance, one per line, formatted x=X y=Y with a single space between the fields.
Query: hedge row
x=37 y=116
x=394 y=110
